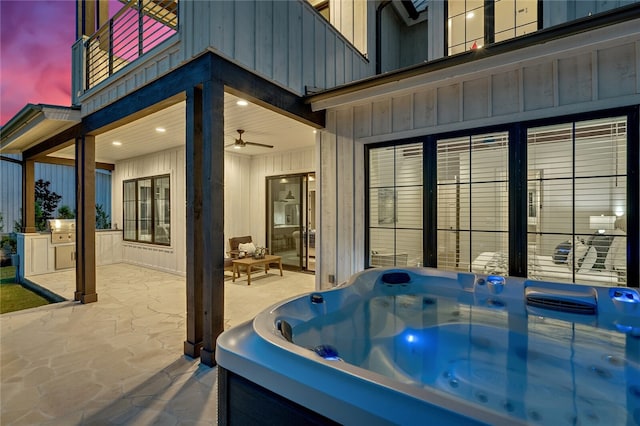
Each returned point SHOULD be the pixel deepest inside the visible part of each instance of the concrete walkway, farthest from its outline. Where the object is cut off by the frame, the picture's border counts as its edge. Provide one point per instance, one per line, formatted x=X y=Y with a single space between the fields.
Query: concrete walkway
x=119 y=361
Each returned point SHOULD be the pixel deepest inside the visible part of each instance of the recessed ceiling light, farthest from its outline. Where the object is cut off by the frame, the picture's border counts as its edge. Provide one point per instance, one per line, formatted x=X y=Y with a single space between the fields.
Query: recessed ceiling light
x=160 y=129
x=315 y=131
x=242 y=102
x=470 y=15
x=116 y=143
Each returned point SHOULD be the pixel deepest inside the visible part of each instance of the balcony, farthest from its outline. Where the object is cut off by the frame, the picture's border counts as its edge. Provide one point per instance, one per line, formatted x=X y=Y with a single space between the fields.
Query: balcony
x=137 y=28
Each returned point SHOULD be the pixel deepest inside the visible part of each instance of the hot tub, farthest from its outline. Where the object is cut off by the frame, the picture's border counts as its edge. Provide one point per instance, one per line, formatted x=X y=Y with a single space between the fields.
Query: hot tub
x=419 y=345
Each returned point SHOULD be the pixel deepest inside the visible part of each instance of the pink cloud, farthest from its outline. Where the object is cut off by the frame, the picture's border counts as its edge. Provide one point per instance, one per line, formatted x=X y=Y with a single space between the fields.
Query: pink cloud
x=35 y=51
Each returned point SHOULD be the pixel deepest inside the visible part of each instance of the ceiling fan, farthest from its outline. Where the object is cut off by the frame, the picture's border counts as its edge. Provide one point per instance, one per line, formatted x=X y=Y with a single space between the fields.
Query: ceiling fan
x=241 y=143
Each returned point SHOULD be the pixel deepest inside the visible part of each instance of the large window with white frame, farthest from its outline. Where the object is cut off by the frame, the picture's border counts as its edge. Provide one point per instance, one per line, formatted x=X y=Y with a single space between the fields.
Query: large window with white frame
x=147 y=210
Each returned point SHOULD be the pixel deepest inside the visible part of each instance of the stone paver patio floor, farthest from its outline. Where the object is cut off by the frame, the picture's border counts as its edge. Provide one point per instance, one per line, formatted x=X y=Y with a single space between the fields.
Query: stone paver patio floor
x=119 y=361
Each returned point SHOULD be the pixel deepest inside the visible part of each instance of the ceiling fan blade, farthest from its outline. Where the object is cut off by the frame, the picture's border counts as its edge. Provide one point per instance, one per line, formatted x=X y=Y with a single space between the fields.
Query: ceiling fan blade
x=259 y=144
x=230 y=145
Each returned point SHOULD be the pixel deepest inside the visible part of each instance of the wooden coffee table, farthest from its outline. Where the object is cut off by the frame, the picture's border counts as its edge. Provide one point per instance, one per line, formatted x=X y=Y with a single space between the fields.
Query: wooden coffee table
x=250 y=262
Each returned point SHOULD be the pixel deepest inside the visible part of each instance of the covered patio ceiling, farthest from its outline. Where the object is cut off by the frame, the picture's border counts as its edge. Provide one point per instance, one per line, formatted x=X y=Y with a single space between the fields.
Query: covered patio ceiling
x=165 y=129
x=142 y=137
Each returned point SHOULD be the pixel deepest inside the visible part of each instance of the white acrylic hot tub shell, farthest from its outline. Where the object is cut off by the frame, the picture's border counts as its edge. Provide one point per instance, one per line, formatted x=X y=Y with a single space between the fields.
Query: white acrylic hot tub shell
x=346 y=393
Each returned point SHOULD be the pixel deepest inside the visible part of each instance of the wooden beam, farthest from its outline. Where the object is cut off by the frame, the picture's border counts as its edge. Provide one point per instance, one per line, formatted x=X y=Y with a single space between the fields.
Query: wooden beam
x=193 y=148
x=72 y=162
x=243 y=83
x=61 y=140
x=138 y=103
x=173 y=85
x=10 y=160
x=212 y=230
x=86 y=220
x=28 y=197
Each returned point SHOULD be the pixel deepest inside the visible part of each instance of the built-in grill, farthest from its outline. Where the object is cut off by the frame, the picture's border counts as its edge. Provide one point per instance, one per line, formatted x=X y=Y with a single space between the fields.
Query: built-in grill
x=62 y=230
x=63 y=235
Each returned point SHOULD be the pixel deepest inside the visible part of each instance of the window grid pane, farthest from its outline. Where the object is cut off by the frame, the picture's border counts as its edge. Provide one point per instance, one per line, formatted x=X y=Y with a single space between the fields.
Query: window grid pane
x=162 y=224
x=147 y=210
x=577 y=201
x=395 y=200
x=144 y=210
x=473 y=203
x=129 y=207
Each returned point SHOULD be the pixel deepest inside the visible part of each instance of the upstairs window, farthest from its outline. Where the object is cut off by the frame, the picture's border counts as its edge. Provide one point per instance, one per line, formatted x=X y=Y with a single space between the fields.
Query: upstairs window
x=472 y=24
x=514 y=18
x=465 y=25
x=147 y=213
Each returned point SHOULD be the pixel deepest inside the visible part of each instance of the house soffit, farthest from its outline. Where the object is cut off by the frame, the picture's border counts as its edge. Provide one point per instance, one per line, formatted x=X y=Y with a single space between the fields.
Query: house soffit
x=34 y=124
x=140 y=137
x=473 y=65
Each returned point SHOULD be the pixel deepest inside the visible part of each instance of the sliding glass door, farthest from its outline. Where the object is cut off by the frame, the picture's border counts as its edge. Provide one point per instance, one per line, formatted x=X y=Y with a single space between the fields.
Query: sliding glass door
x=291 y=220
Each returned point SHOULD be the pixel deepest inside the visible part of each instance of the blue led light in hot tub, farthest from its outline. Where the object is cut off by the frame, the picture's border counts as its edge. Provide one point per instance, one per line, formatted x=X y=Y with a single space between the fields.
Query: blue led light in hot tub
x=624 y=295
x=327 y=352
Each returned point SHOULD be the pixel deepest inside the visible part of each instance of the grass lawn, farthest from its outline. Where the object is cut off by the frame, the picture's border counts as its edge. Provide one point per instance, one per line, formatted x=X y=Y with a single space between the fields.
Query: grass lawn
x=14 y=297
x=8 y=273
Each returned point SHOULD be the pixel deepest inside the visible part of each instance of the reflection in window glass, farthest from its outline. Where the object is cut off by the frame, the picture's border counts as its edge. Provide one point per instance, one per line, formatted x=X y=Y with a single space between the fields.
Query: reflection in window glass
x=146 y=210
x=129 y=206
x=395 y=205
x=465 y=25
x=466 y=22
x=515 y=18
x=577 y=202
x=162 y=211
x=473 y=203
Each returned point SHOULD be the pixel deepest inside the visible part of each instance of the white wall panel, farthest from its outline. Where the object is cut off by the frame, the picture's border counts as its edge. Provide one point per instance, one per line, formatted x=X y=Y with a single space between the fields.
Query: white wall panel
x=617 y=69
x=238 y=201
x=538 y=88
x=244 y=198
x=346 y=197
x=286 y=41
x=579 y=75
x=327 y=178
x=259 y=168
x=172 y=258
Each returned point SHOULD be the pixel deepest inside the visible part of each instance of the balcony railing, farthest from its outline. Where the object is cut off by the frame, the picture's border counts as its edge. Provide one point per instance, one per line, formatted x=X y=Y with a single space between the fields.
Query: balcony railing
x=137 y=28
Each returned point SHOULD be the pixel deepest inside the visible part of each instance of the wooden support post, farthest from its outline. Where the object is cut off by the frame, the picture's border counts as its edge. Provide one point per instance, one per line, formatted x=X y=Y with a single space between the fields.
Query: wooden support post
x=86 y=220
x=212 y=230
x=28 y=197
x=193 y=344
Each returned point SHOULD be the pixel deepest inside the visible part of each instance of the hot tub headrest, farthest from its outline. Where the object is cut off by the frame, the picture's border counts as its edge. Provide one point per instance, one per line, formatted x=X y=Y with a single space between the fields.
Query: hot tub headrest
x=396 y=278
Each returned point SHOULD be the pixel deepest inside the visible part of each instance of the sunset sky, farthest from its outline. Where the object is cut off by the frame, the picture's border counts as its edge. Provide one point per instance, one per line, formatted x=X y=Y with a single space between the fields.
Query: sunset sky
x=35 y=53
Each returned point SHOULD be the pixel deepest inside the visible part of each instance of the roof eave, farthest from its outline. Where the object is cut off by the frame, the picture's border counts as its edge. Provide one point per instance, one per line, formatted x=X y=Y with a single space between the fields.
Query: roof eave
x=14 y=136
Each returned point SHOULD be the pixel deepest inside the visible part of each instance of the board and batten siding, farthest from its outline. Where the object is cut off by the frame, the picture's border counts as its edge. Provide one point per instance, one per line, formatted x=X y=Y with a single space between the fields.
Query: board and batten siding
x=287 y=42
x=592 y=71
x=341 y=204
x=276 y=164
x=170 y=258
x=62 y=181
x=244 y=194
x=284 y=41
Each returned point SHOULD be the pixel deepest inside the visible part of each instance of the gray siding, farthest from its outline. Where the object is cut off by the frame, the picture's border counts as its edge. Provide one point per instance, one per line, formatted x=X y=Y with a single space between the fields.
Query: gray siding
x=283 y=41
x=63 y=183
